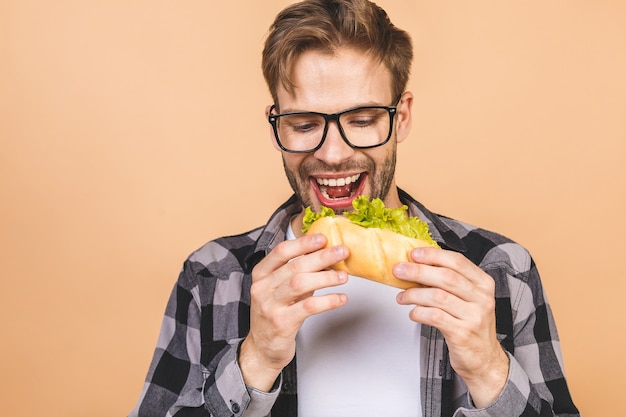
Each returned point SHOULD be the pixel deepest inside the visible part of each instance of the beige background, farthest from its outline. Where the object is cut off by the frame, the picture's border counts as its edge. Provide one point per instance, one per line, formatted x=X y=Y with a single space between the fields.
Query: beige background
x=132 y=132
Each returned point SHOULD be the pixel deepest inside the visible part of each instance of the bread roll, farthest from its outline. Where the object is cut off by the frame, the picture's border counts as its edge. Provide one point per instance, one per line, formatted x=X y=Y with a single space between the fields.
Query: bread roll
x=373 y=251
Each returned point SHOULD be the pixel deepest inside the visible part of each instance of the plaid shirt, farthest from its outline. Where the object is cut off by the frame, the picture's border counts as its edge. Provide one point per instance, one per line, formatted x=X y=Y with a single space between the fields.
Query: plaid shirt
x=194 y=371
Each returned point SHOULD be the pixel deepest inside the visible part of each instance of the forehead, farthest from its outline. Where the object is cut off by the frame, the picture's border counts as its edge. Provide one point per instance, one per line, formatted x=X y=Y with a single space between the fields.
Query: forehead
x=330 y=82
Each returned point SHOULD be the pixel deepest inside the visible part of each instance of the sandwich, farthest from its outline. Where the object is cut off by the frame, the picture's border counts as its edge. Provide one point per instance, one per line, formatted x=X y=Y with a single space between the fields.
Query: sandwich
x=377 y=237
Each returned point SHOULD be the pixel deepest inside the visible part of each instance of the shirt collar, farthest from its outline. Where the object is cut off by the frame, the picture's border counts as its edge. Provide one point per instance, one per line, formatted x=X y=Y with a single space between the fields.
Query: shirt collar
x=274 y=231
x=440 y=232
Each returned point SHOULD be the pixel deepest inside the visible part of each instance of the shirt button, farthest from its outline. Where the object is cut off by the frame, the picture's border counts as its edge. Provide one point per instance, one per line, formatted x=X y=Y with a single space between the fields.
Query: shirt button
x=235 y=407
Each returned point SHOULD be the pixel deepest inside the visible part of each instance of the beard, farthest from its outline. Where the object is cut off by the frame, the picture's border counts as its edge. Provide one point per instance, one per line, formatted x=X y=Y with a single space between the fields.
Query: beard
x=380 y=176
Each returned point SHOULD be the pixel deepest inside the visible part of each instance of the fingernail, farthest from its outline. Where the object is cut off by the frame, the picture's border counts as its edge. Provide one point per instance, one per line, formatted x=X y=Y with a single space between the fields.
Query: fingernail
x=417 y=253
x=318 y=239
x=399 y=269
x=339 y=250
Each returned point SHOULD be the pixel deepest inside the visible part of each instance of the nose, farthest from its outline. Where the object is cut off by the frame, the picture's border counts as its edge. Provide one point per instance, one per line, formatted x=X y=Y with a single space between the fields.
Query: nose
x=334 y=150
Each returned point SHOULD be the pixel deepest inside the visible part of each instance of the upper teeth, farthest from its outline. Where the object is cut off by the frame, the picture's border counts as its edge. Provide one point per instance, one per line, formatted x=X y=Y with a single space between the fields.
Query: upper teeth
x=338 y=182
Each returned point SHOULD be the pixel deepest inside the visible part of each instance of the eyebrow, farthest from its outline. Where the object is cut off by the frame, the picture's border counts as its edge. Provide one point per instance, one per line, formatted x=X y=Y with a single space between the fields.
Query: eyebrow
x=366 y=104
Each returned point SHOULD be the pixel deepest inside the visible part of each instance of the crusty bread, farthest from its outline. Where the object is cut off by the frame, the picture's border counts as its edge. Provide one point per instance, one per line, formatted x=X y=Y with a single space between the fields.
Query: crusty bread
x=373 y=251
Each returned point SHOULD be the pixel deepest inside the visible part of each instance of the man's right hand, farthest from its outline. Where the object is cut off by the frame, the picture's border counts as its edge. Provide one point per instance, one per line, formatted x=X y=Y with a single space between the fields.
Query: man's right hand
x=282 y=297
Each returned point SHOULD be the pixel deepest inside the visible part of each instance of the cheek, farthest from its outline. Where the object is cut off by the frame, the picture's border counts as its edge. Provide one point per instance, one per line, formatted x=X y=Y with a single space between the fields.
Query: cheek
x=380 y=157
x=293 y=164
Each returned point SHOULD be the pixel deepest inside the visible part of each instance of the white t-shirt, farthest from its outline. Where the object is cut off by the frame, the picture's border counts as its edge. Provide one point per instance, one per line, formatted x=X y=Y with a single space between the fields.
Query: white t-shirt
x=362 y=359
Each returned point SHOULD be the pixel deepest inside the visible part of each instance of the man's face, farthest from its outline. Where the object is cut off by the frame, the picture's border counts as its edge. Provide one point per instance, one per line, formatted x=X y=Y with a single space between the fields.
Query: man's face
x=336 y=173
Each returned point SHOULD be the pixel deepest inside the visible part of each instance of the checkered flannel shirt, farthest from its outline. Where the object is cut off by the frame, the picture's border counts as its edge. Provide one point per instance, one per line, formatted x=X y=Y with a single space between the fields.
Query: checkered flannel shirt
x=194 y=371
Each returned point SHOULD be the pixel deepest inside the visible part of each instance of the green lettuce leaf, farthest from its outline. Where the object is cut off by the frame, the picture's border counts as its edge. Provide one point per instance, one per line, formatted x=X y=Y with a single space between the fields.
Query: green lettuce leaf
x=373 y=213
x=310 y=216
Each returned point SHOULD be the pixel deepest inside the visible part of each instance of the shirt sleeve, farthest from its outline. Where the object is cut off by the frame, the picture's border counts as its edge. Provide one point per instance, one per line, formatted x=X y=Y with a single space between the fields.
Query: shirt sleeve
x=179 y=384
x=536 y=384
x=261 y=402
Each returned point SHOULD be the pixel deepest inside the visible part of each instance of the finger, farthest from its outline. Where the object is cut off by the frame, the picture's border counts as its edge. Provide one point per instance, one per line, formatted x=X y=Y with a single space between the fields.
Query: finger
x=303 y=285
x=450 y=260
x=437 y=277
x=318 y=260
x=316 y=305
x=472 y=328
x=286 y=251
x=436 y=298
x=435 y=317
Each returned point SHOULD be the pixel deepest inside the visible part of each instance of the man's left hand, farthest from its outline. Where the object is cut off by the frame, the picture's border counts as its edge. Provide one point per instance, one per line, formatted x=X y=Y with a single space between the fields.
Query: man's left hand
x=459 y=300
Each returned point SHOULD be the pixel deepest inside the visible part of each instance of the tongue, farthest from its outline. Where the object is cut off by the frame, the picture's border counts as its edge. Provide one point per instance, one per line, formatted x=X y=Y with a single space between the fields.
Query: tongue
x=342 y=191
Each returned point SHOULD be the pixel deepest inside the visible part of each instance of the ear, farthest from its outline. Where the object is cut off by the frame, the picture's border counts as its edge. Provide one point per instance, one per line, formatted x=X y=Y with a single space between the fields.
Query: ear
x=271 y=129
x=403 y=116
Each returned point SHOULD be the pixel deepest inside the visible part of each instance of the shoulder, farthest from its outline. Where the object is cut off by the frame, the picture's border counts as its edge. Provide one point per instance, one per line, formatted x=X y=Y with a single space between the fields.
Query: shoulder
x=231 y=258
x=485 y=248
x=490 y=249
x=216 y=272
x=225 y=254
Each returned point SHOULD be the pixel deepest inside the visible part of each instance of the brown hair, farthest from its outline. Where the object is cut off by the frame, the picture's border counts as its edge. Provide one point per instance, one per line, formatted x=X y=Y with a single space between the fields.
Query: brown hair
x=327 y=25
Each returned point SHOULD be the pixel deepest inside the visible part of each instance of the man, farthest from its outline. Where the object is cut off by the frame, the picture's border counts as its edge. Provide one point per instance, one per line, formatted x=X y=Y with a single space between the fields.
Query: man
x=259 y=325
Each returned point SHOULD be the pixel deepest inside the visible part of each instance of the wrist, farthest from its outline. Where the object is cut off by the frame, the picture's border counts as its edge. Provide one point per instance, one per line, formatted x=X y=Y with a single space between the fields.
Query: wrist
x=485 y=388
x=257 y=372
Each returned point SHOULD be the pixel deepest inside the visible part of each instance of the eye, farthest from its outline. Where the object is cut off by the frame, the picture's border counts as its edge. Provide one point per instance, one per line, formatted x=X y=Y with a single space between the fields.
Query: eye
x=300 y=124
x=303 y=127
x=362 y=118
x=362 y=121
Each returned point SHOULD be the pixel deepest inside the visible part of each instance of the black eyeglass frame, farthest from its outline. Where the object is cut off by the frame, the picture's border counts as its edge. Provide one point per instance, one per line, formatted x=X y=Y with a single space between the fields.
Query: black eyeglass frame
x=273 y=118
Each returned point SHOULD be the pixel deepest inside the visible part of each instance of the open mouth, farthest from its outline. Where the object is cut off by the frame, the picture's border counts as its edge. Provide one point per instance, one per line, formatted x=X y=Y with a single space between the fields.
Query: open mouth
x=338 y=192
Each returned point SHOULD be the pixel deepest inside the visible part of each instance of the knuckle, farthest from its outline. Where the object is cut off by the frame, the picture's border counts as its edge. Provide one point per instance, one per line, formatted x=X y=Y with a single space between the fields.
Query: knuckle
x=257 y=274
x=266 y=311
x=458 y=260
x=309 y=305
x=413 y=268
x=440 y=296
x=449 y=278
x=255 y=291
x=282 y=249
x=489 y=303
x=297 y=283
x=437 y=317
x=276 y=321
x=490 y=285
x=292 y=268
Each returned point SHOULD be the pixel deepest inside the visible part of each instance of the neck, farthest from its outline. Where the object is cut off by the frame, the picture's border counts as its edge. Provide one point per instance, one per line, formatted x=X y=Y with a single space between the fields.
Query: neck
x=296 y=224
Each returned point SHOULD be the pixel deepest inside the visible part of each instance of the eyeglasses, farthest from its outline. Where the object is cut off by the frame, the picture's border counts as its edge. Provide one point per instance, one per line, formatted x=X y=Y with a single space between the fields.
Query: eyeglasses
x=360 y=127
